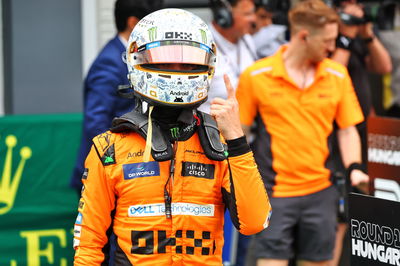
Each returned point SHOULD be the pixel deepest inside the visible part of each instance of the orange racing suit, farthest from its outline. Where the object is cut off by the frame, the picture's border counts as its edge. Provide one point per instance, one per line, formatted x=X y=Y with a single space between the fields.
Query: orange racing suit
x=116 y=180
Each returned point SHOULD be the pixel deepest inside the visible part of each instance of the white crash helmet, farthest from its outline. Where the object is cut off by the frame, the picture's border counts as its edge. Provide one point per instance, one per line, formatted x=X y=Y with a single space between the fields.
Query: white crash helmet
x=171 y=36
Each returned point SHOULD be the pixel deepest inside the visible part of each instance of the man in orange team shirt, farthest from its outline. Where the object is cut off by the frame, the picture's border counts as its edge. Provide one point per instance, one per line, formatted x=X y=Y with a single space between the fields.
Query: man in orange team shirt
x=298 y=93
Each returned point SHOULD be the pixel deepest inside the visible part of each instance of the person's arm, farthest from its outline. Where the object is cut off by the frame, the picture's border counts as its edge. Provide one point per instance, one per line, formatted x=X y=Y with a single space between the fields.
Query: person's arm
x=347 y=33
x=95 y=208
x=350 y=149
x=246 y=130
x=348 y=115
x=344 y=44
x=378 y=59
x=101 y=98
x=243 y=189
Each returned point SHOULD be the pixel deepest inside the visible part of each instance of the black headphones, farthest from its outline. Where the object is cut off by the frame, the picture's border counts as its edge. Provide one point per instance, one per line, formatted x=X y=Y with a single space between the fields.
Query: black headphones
x=269 y=5
x=222 y=13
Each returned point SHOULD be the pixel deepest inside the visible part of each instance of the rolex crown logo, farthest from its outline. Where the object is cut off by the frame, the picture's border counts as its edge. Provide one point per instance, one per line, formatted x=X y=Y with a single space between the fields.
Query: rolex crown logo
x=9 y=185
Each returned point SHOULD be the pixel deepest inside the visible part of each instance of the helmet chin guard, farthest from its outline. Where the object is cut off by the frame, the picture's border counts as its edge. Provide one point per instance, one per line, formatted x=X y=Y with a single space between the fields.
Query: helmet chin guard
x=171 y=36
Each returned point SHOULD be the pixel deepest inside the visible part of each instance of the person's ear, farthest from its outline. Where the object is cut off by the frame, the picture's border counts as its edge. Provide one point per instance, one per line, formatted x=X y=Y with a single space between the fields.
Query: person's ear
x=304 y=36
x=131 y=22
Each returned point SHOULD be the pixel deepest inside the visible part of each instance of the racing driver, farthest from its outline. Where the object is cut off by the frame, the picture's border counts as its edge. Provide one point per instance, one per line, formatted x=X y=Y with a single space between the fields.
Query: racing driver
x=162 y=177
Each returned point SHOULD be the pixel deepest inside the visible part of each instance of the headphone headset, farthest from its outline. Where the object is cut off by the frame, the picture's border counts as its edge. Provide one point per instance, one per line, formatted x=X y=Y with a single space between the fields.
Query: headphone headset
x=269 y=5
x=222 y=13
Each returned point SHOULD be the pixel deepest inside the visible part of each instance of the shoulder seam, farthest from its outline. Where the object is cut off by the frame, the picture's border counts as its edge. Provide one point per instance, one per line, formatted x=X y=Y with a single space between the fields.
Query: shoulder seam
x=334 y=72
x=97 y=151
x=261 y=70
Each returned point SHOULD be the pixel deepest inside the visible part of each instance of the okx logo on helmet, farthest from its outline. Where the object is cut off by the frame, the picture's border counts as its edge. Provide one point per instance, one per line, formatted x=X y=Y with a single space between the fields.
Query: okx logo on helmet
x=171 y=57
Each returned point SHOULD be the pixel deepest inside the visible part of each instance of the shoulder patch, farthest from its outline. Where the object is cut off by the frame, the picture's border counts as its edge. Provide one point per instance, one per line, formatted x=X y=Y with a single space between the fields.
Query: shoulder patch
x=103 y=141
x=104 y=144
x=334 y=72
x=261 y=70
x=109 y=156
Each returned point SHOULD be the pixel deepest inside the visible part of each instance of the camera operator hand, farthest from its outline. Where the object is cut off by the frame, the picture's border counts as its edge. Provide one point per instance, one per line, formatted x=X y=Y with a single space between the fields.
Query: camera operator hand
x=353 y=25
x=366 y=31
x=352 y=30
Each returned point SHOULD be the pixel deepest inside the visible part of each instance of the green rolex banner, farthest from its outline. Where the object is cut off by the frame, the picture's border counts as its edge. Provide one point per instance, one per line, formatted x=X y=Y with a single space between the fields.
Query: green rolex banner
x=37 y=206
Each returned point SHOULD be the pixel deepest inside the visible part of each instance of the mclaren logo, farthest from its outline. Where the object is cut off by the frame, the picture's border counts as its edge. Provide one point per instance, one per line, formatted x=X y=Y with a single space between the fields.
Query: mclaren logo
x=9 y=183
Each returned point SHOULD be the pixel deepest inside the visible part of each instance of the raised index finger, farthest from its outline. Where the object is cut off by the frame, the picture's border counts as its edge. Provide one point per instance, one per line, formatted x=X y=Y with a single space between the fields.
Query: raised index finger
x=229 y=89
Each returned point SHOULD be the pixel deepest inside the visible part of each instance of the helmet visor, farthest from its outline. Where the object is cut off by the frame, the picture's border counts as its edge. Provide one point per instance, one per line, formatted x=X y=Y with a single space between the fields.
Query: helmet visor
x=185 y=52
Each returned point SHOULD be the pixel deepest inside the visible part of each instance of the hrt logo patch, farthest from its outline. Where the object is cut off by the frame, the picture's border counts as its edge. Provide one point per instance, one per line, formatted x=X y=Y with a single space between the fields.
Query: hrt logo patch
x=135 y=170
x=198 y=170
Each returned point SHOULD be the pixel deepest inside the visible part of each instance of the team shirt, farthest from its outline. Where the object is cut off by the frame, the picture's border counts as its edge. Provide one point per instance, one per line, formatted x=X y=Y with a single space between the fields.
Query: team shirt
x=297 y=121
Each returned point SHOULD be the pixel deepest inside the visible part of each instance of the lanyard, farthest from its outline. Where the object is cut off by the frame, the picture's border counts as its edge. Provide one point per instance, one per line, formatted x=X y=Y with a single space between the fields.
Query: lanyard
x=236 y=67
x=168 y=186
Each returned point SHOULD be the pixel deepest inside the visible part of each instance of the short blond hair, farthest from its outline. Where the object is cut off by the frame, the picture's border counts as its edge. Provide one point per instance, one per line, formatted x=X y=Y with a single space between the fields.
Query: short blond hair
x=312 y=15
